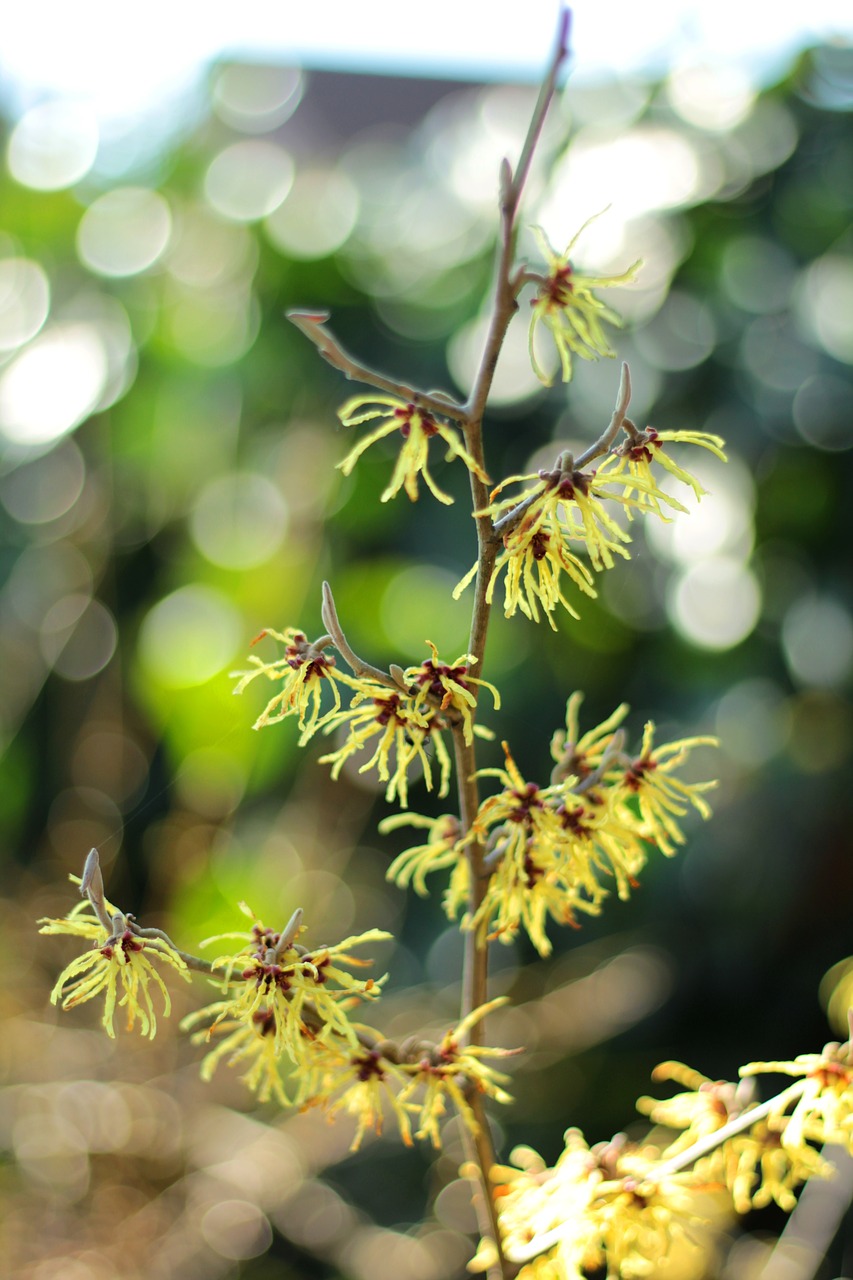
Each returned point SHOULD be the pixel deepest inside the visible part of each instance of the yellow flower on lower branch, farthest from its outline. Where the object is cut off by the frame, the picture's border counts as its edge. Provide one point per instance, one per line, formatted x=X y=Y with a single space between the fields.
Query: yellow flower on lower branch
x=449 y=1072
x=286 y=995
x=417 y=427
x=822 y=1099
x=362 y=1083
x=119 y=967
x=400 y=732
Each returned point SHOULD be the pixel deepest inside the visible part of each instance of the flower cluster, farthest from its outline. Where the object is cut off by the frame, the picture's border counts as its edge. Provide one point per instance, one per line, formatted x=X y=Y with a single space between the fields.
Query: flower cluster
x=401 y=722
x=552 y=850
x=285 y=1018
x=822 y=1098
x=563 y=511
x=417 y=427
x=120 y=965
x=281 y=1002
x=597 y=1207
x=760 y=1162
x=566 y=305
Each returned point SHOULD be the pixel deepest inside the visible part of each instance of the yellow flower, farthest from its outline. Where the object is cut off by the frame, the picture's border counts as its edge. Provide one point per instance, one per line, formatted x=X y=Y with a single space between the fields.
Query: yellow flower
x=246 y=1040
x=361 y=1083
x=401 y=731
x=526 y=846
x=570 y=311
x=580 y=755
x=443 y=685
x=631 y=465
x=704 y=1107
x=417 y=427
x=759 y=1170
x=444 y=1071
x=663 y=799
x=296 y=996
x=540 y=525
x=823 y=1099
x=440 y=850
x=303 y=672
x=119 y=967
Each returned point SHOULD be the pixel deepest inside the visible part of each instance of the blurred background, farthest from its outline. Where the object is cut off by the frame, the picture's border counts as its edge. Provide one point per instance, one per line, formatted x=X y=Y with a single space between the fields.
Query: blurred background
x=168 y=488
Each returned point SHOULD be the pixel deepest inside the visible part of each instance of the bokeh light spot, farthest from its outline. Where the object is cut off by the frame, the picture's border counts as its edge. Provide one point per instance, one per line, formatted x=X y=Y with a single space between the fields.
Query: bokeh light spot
x=821 y=412
x=124 y=231
x=720 y=522
x=757 y=273
x=752 y=722
x=53 y=384
x=45 y=488
x=239 y=520
x=215 y=327
x=418 y=605
x=53 y=146
x=248 y=180
x=680 y=336
x=817 y=641
x=317 y=216
x=715 y=604
x=713 y=97
x=24 y=301
x=89 y=646
x=190 y=636
x=256 y=99
x=825 y=304
x=236 y=1229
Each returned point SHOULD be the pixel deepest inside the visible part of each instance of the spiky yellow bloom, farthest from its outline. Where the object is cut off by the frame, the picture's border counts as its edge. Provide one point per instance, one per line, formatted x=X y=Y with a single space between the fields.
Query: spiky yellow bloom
x=759 y=1169
x=442 y=1073
x=662 y=798
x=566 y=305
x=417 y=427
x=631 y=464
x=399 y=730
x=596 y=1208
x=303 y=672
x=822 y=1100
x=448 y=686
x=703 y=1108
x=533 y=565
x=579 y=754
x=563 y=509
x=363 y=1084
x=292 y=995
x=119 y=967
x=440 y=850
x=245 y=1041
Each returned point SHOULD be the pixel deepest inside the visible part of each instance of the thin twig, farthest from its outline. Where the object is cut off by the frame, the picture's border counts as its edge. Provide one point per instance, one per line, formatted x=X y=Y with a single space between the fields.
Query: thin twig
x=312 y=324
x=504 y=306
x=358 y=665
